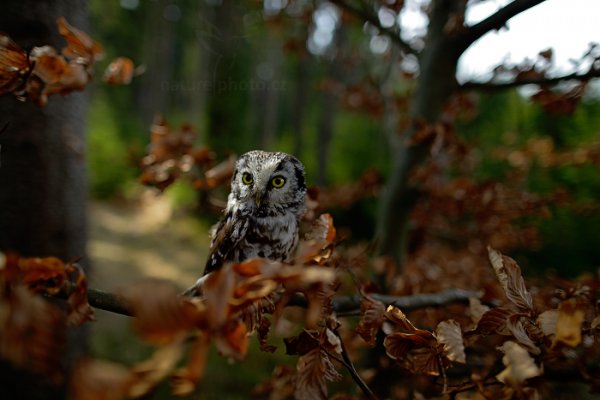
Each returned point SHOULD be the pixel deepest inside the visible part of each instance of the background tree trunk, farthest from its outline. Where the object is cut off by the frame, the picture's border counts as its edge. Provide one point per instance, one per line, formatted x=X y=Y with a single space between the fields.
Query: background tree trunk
x=157 y=81
x=42 y=176
x=436 y=84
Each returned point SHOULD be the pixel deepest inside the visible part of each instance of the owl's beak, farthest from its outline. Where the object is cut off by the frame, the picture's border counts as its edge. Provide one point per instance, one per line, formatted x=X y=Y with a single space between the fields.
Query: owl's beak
x=258 y=199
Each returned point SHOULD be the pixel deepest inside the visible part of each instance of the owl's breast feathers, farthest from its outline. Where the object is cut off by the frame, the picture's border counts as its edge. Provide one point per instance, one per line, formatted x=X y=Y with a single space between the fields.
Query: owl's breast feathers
x=240 y=236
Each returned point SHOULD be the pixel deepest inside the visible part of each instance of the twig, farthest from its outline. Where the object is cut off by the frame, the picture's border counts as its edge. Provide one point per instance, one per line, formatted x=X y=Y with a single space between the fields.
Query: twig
x=347 y=362
x=108 y=302
x=498 y=19
x=592 y=73
x=350 y=305
x=374 y=20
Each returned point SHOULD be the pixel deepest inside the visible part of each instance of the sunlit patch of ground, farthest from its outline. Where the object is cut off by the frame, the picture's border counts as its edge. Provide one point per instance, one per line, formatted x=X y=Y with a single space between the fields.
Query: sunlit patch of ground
x=149 y=239
x=130 y=242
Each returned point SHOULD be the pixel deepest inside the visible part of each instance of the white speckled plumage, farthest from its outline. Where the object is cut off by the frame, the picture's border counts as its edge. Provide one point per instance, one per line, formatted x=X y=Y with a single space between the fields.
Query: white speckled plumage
x=261 y=219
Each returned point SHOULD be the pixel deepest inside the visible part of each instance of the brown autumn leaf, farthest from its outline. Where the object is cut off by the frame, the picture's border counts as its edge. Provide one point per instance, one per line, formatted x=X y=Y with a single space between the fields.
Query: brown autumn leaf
x=402 y=323
x=42 y=275
x=515 y=325
x=218 y=291
x=120 y=71
x=315 y=368
x=14 y=65
x=449 y=334
x=80 y=310
x=546 y=321
x=80 y=46
x=218 y=175
x=476 y=309
x=415 y=349
x=32 y=332
x=509 y=275
x=519 y=365
x=148 y=373
x=162 y=315
x=185 y=379
x=99 y=380
x=263 y=335
x=232 y=340
x=317 y=246
x=372 y=316
x=568 y=323
x=493 y=321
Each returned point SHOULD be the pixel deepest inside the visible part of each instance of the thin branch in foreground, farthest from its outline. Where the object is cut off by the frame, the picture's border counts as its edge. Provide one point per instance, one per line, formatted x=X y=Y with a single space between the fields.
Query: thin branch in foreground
x=491 y=86
x=108 y=302
x=347 y=362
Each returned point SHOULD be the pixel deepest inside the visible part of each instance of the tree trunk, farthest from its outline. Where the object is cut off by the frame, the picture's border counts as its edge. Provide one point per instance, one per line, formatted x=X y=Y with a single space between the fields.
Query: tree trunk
x=228 y=84
x=298 y=113
x=43 y=175
x=436 y=84
x=157 y=81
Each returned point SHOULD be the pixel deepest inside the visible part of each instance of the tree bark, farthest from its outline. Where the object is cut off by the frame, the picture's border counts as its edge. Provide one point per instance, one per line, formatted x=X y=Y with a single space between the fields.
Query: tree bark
x=436 y=84
x=43 y=187
x=157 y=81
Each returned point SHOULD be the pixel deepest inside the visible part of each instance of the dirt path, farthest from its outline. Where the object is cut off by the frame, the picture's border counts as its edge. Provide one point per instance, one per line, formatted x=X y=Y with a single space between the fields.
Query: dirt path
x=130 y=242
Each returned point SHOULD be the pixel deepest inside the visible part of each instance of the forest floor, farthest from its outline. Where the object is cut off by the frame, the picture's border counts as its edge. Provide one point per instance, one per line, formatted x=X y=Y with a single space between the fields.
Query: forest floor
x=150 y=239
x=133 y=241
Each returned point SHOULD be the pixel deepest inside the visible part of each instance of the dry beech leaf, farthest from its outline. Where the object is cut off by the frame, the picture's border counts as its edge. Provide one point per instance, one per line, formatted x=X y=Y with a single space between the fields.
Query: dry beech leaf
x=509 y=275
x=80 y=46
x=149 y=373
x=449 y=334
x=80 y=310
x=317 y=246
x=14 y=65
x=185 y=379
x=372 y=317
x=395 y=315
x=476 y=309
x=99 y=380
x=519 y=365
x=595 y=322
x=119 y=72
x=32 y=332
x=232 y=340
x=547 y=322
x=494 y=321
x=517 y=329
x=313 y=371
x=263 y=334
x=220 y=173
x=568 y=323
x=162 y=315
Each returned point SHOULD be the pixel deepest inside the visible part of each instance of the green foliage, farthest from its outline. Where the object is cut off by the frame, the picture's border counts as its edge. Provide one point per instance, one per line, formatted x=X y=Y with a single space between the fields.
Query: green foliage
x=109 y=164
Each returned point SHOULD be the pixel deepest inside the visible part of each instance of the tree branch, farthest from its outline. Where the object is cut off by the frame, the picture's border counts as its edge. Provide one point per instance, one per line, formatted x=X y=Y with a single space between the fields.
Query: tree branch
x=108 y=302
x=498 y=19
x=346 y=305
x=350 y=305
x=492 y=86
x=347 y=362
x=374 y=20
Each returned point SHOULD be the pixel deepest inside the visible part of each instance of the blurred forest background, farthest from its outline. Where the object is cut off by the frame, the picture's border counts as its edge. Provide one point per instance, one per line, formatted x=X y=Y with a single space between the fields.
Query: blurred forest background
x=294 y=77
x=511 y=166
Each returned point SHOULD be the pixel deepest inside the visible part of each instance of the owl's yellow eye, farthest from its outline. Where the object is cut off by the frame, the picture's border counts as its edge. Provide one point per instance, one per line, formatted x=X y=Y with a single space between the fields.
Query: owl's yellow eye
x=247 y=178
x=278 y=182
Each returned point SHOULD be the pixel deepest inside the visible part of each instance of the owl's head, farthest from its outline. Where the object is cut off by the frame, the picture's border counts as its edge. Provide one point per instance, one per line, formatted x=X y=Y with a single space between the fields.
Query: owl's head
x=266 y=182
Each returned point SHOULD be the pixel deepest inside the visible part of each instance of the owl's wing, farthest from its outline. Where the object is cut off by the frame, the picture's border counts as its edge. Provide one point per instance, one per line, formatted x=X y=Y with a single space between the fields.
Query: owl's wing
x=228 y=234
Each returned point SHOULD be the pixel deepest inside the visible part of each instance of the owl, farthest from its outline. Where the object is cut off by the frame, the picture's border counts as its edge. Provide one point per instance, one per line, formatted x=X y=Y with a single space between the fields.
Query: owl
x=264 y=208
